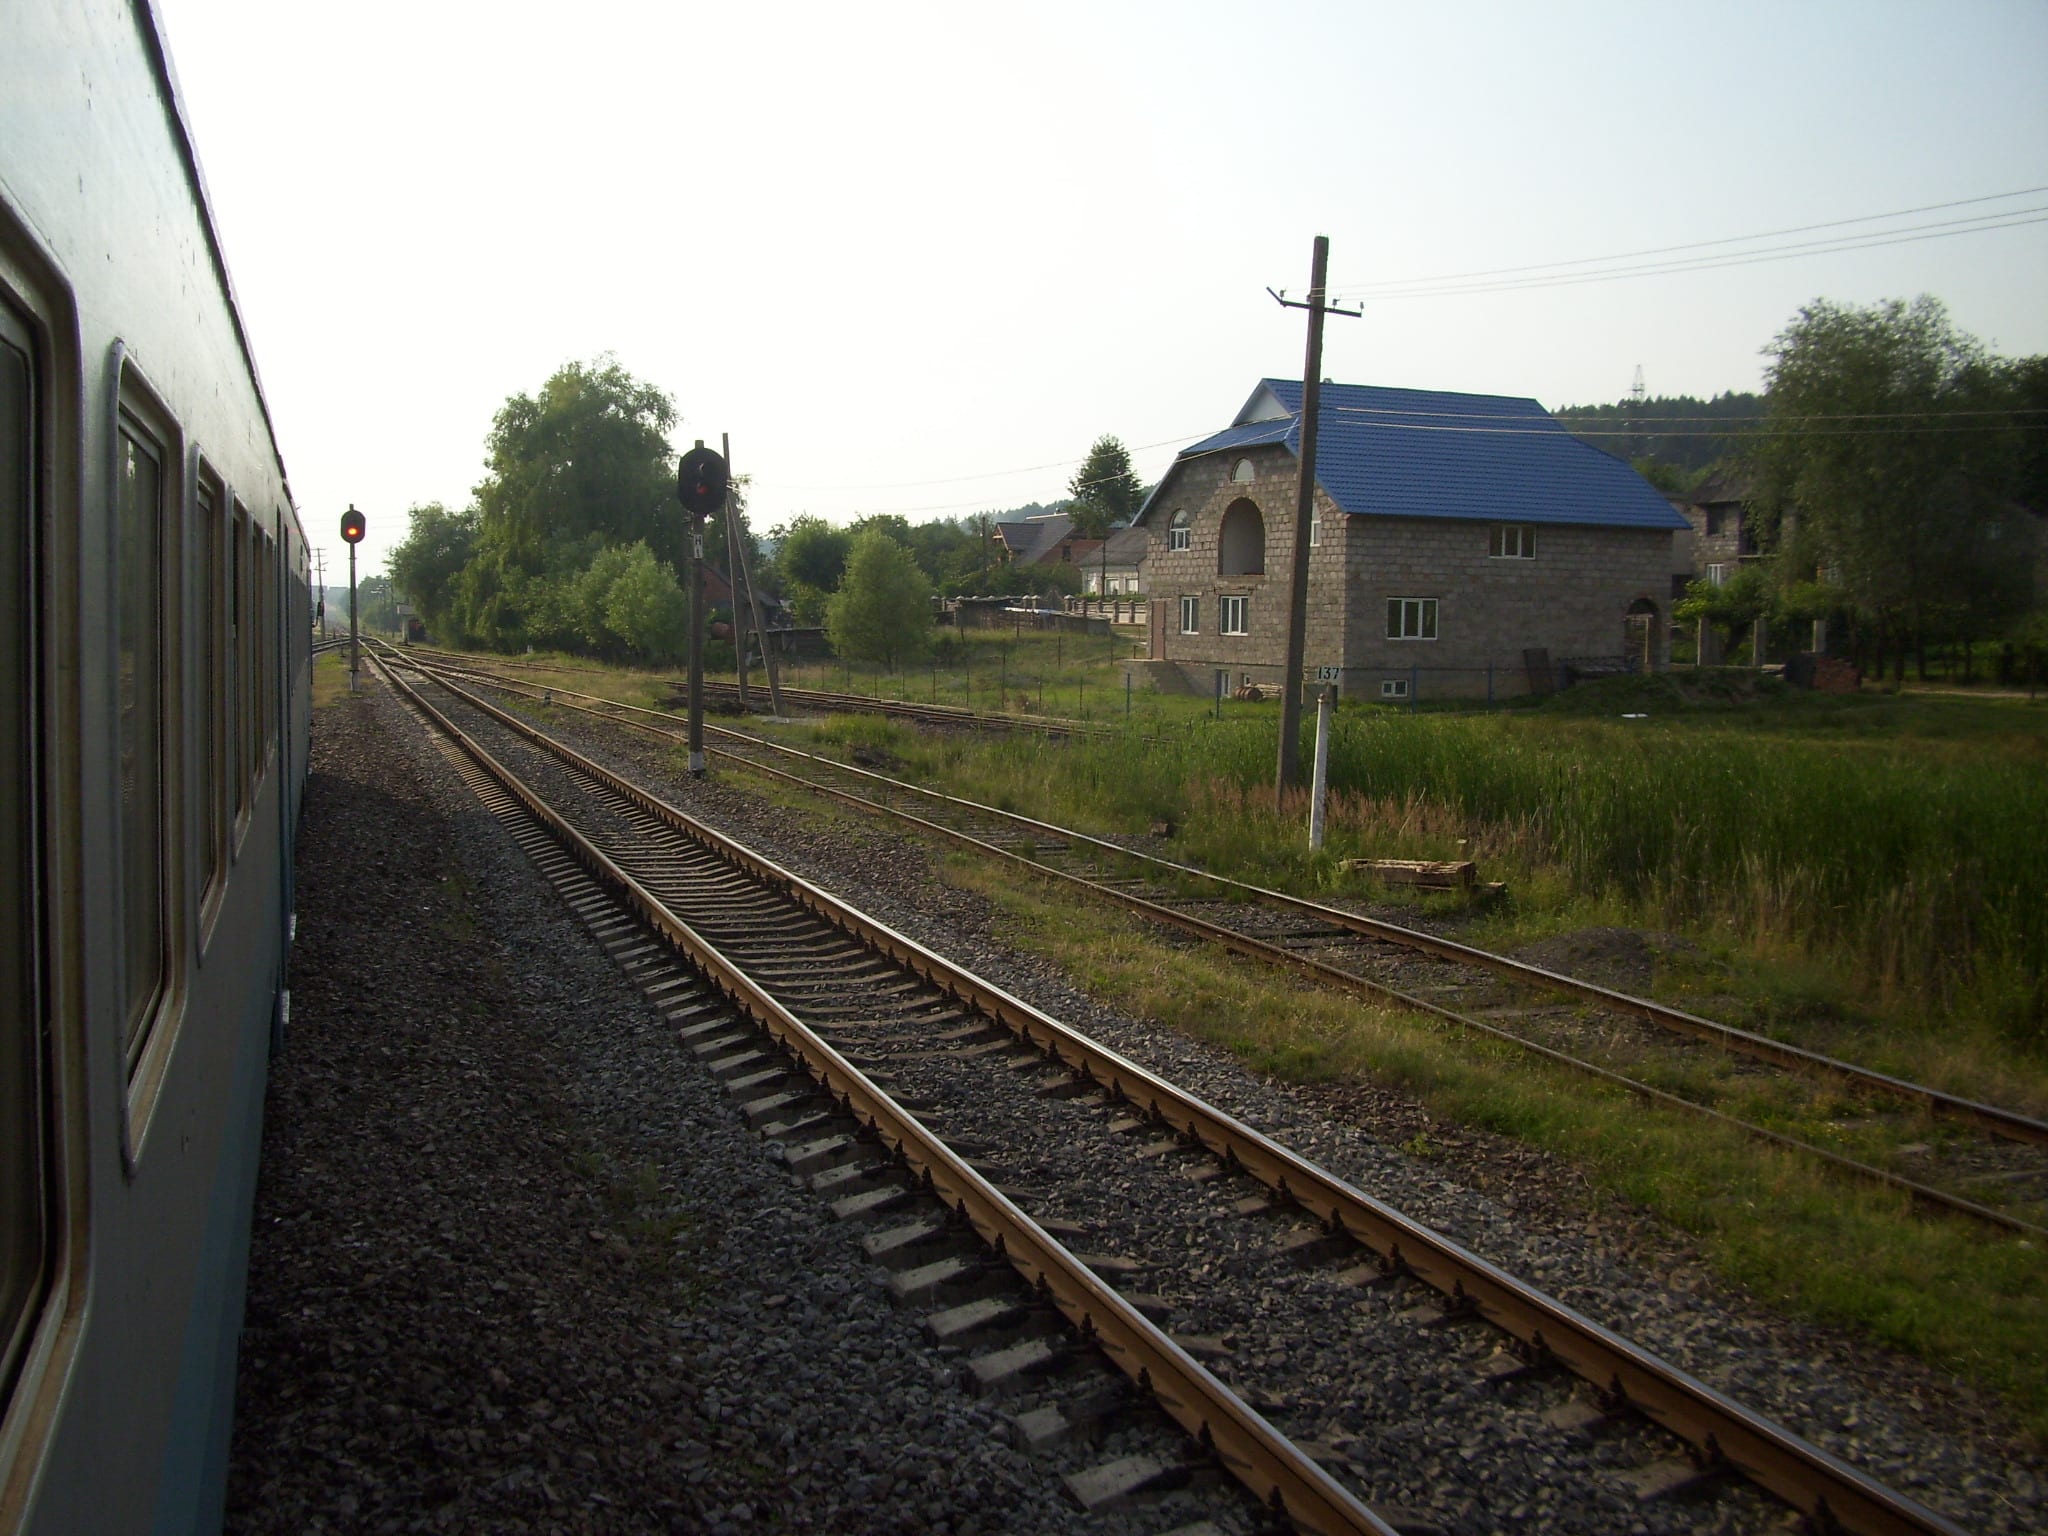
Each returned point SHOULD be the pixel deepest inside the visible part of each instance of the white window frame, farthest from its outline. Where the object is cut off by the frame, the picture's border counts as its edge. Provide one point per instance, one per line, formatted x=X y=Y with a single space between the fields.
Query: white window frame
x=1180 y=532
x=1717 y=574
x=1241 y=604
x=1190 y=615
x=1393 y=687
x=1414 y=619
x=1315 y=529
x=1511 y=541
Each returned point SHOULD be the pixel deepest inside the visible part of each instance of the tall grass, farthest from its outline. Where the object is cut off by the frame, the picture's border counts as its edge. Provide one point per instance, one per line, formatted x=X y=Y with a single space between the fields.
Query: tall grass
x=1928 y=872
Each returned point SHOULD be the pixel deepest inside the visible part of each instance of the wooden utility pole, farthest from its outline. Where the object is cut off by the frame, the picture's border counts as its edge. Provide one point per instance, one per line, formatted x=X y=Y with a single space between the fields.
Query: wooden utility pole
x=732 y=573
x=1304 y=511
x=743 y=568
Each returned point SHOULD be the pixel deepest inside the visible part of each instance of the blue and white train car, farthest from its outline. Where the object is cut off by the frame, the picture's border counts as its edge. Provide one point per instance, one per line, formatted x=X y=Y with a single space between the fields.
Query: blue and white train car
x=154 y=639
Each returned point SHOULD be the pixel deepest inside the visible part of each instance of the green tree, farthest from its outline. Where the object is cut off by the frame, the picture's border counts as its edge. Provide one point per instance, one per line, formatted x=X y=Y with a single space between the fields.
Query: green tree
x=951 y=552
x=647 y=609
x=810 y=559
x=584 y=463
x=1731 y=608
x=1883 y=462
x=428 y=564
x=882 y=612
x=893 y=524
x=1106 y=494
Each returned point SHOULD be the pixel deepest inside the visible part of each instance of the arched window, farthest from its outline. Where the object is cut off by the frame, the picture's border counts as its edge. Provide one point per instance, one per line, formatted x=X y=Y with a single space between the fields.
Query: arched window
x=1241 y=472
x=1242 y=551
x=1178 y=531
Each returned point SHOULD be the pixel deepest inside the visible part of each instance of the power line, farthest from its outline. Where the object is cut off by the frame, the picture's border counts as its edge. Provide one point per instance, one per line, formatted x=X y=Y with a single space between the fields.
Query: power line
x=2018 y=218
x=1697 y=245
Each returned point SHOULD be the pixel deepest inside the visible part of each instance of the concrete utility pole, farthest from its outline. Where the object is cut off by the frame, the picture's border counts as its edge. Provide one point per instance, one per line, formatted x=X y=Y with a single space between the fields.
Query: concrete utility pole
x=1304 y=511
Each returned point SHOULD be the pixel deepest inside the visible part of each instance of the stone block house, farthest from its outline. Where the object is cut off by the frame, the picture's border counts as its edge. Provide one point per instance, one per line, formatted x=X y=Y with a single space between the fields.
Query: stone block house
x=1722 y=539
x=1461 y=545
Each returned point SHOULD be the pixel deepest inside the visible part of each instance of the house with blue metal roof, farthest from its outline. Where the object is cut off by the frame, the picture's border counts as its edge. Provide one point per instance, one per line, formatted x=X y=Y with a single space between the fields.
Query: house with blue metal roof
x=1459 y=545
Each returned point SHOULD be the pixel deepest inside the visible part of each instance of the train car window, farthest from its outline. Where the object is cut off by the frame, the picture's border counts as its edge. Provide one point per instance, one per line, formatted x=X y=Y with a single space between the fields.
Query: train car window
x=25 y=1239
x=264 y=630
x=270 y=638
x=211 y=718
x=238 y=661
x=139 y=651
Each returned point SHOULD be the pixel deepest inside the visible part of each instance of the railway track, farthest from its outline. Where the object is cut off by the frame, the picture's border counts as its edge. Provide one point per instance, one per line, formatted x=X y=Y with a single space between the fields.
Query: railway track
x=1948 y=1153
x=948 y=716
x=1325 y=1282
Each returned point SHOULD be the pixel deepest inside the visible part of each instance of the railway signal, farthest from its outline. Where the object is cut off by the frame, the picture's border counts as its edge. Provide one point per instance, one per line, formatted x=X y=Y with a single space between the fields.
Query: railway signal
x=352 y=535
x=701 y=481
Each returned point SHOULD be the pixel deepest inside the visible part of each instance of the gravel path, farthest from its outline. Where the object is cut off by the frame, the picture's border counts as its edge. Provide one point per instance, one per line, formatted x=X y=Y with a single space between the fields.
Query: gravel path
x=516 y=1268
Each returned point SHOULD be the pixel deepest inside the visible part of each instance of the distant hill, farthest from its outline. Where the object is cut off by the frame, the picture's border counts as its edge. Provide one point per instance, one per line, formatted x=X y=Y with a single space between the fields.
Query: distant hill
x=1687 y=433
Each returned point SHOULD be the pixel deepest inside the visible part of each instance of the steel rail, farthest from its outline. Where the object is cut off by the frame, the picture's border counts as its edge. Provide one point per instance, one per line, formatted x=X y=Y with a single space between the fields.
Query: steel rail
x=1278 y=1473
x=1720 y=1431
x=1934 y=1101
x=1335 y=975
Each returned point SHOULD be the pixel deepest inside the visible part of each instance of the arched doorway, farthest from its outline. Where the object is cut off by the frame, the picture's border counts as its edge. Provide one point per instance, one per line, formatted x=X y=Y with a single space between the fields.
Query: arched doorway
x=1242 y=549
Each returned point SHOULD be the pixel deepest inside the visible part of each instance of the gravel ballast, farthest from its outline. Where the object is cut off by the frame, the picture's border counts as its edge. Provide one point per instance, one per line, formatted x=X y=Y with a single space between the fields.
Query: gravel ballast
x=516 y=1267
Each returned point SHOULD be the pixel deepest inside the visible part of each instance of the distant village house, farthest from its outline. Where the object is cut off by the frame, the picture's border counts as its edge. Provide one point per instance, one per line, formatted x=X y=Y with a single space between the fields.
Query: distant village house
x=1459 y=545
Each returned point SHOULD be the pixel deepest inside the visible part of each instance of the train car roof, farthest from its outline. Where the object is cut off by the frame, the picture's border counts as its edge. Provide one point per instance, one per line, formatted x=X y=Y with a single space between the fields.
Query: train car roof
x=174 y=99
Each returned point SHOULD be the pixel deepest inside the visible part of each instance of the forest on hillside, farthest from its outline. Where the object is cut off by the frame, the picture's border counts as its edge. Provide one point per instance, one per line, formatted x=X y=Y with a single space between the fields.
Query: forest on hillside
x=1682 y=431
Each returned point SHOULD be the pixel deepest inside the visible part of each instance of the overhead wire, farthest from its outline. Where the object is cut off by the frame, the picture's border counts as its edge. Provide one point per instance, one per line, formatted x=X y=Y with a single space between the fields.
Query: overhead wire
x=1483 y=280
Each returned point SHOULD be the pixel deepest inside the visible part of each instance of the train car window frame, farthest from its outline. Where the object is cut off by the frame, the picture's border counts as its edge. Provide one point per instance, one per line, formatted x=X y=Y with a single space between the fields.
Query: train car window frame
x=35 y=296
x=208 y=645
x=240 y=631
x=29 y=1233
x=266 y=611
x=143 y=424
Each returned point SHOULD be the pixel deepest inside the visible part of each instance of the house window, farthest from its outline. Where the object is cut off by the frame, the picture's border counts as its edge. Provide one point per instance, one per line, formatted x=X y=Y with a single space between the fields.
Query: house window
x=1241 y=474
x=1190 y=615
x=1511 y=541
x=1393 y=687
x=1177 y=532
x=1235 y=615
x=1315 y=529
x=1411 y=618
x=1717 y=575
x=1713 y=522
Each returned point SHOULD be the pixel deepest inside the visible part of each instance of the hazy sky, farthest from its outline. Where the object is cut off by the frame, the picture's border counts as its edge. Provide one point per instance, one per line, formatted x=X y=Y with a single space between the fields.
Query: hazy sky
x=916 y=259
